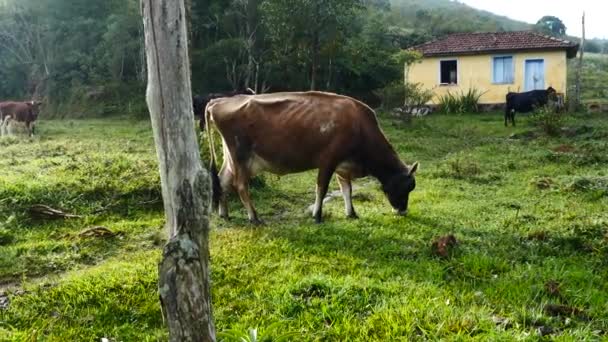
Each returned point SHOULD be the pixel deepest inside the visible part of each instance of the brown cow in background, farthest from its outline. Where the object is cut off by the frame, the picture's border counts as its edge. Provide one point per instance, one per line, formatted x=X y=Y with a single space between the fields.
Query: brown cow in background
x=25 y=112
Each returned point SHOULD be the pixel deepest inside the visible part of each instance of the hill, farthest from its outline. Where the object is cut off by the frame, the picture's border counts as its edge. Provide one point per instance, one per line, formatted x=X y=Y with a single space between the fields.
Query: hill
x=452 y=16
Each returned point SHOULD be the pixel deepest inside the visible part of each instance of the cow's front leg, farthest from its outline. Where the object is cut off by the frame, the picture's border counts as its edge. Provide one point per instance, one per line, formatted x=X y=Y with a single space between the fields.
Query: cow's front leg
x=30 y=128
x=323 y=180
x=347 y=192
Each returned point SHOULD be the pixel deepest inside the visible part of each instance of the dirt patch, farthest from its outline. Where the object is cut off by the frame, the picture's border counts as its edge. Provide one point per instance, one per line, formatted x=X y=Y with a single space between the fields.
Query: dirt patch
x=443 y=247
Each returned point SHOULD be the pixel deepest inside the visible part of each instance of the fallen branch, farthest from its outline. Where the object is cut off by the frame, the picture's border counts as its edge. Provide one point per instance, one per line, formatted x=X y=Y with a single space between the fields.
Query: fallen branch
x=44 y=211
x=98 y=231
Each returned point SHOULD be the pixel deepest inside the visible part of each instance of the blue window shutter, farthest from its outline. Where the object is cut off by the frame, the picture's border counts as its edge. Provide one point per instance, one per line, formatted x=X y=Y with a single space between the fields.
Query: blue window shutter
x=503 y=70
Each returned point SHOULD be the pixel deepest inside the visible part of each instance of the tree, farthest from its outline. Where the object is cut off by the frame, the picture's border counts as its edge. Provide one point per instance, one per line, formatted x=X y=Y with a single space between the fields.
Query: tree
x=551 y=25
x=303 y=29
x=184 y=270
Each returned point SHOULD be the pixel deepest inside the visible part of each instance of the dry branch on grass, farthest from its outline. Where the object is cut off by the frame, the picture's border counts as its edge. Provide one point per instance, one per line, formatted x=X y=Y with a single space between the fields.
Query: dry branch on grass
x=45 y=212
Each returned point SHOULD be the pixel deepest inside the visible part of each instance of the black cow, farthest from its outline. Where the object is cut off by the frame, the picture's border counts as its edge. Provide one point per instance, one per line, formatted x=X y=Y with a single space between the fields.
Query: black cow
x=527 y=102
x=199 y=103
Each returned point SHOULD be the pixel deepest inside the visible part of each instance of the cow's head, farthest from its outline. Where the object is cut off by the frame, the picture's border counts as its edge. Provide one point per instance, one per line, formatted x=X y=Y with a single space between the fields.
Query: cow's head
x=551 y=93
x=398 y=189
x=35 y=108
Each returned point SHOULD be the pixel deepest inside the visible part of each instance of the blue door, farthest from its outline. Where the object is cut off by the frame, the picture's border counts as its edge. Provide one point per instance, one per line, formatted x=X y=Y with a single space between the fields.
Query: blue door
x=535 y=74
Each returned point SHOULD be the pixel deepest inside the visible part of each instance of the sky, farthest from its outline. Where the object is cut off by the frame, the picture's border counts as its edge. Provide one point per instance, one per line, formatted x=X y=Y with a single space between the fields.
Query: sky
x=569 y=11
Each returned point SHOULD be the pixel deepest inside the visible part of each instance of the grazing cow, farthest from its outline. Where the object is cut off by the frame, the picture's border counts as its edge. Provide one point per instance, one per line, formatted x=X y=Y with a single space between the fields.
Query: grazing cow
x=293 y=132
x=527 y=102
x=26 y=112
x=200 y=102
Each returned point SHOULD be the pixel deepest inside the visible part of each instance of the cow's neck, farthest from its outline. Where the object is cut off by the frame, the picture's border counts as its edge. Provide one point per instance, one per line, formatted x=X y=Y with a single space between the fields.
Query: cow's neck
x=384 y=163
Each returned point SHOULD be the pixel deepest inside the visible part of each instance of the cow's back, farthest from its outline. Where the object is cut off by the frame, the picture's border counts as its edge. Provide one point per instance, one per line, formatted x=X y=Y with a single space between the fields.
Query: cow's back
x=293 y=131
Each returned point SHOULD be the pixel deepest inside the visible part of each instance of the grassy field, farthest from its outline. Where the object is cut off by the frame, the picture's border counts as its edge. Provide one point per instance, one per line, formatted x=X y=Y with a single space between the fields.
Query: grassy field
x=529 y=216
x=594 y=77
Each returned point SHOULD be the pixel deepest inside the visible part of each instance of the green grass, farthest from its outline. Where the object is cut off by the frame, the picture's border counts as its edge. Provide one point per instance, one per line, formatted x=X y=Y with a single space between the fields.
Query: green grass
x=524 y=212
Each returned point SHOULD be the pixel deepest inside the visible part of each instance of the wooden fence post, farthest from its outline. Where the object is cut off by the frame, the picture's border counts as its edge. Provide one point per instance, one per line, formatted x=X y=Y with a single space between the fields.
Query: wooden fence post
x=184 y=270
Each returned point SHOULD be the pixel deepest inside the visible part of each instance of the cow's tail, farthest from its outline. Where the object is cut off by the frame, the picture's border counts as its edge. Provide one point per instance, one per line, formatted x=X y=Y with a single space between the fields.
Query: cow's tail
x=215 y=179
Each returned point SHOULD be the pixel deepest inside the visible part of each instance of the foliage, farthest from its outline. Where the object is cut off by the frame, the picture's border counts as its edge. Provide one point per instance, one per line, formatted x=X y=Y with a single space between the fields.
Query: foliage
x=63 y=50
x=552 y=26
x=391 y=96
x=346 y=46
x=465 y=102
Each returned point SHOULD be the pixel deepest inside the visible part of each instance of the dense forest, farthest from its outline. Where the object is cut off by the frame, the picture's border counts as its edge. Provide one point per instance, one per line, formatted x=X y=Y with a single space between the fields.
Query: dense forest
x=78 y=54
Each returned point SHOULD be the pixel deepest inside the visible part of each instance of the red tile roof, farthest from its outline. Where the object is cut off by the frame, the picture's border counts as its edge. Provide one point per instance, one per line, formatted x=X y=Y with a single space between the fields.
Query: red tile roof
x=475 y=43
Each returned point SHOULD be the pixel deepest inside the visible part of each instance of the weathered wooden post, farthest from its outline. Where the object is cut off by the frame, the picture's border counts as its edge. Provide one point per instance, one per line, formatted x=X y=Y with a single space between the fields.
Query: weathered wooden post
x=575 y=101
x=184 y=269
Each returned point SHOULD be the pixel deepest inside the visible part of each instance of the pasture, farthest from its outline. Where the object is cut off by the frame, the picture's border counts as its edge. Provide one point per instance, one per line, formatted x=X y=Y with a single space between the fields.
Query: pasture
x=528 y=213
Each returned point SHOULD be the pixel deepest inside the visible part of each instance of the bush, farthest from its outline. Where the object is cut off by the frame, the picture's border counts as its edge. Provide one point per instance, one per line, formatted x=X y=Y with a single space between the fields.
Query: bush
x=392 y=95
x=548 y=119
x=468 y=102
x=416 y=97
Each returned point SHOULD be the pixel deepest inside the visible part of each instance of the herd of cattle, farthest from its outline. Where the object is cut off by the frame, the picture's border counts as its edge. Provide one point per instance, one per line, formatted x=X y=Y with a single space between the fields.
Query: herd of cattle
x=292 y=132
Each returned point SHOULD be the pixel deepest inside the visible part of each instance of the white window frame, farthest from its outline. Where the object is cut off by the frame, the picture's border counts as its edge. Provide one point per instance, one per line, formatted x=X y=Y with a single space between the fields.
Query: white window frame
x=493 y=59
x=457 y=72
x=544 y=70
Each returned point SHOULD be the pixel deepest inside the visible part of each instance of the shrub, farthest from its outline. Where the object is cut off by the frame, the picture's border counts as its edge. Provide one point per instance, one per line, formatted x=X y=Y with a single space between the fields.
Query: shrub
x=392 y=95
x=548 y=119
x=465 y=102
x=415 y=96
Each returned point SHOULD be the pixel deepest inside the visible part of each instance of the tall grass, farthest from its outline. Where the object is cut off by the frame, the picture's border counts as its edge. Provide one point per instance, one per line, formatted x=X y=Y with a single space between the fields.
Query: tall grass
x=464 y=102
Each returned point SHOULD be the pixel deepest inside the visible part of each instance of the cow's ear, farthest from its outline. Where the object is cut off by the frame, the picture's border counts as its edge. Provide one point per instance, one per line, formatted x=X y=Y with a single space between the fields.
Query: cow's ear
x=414 y=169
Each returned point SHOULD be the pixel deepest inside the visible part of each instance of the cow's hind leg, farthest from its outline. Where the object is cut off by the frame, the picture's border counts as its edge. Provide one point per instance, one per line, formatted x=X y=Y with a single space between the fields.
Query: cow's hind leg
x=242 y=187
x=513 y=117
x=347 y=192
x=323 y=179
x=5 y=125
x=226 y=184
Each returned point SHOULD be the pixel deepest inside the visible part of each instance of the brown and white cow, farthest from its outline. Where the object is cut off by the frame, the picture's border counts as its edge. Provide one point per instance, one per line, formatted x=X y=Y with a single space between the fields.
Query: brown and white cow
x=25 y=112
x=293 y=132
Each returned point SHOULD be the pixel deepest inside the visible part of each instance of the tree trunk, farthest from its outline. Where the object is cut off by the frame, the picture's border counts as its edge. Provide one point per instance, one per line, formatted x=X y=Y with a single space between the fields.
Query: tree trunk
x=315 y=61
x=252 y=41
x=575 y=100
x=184 y=269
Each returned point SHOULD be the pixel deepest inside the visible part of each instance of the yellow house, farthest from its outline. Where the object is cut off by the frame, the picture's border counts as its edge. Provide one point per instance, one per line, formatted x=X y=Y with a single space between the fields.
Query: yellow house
x=493 y=63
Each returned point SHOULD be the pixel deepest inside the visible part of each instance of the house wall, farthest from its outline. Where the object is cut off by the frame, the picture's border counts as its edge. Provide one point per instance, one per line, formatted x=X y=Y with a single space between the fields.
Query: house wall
x=475 y=71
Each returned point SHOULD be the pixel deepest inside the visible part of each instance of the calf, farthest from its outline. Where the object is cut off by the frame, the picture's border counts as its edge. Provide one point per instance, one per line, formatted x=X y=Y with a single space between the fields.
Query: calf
x=200 y=102
x=26 y=112
x=293 y=132
x=526 y=102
